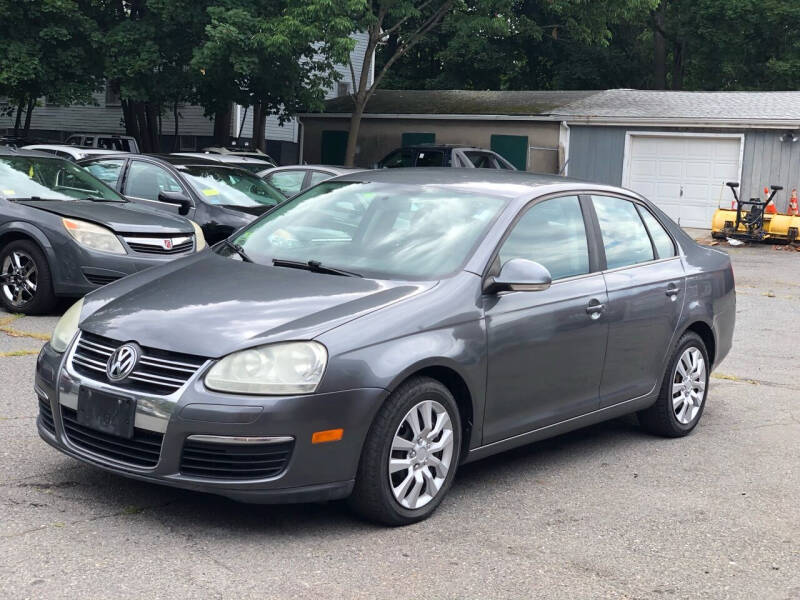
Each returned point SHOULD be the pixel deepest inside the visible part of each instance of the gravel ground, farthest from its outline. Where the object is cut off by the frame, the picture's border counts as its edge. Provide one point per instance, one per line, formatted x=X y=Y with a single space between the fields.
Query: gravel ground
x=606 y=512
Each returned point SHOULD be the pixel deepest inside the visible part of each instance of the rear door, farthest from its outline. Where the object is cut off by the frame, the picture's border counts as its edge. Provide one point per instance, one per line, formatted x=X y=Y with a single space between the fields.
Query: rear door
x=644 y=277
x=144 y=181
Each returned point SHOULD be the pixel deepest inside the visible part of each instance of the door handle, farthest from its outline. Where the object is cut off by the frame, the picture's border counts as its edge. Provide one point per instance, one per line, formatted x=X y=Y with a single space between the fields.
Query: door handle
x=672 y=291
x=595 y=310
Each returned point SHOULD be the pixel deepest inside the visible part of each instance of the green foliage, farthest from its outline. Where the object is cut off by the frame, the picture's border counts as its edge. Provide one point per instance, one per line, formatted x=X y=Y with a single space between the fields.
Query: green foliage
x=47 y=48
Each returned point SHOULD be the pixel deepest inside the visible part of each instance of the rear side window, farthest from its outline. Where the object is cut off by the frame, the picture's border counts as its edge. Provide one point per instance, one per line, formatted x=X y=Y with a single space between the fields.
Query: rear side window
x=107 y=171
x=318 y=177
x=481 y=160
x=398 y=158
x=624 y=235
x=661 y=239
x=553 y=234
x=430 y=158
x=289 y=182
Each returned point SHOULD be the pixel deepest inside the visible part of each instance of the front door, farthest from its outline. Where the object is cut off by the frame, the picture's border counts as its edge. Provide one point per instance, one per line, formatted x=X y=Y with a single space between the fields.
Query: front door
x=546 y=348
x=645 y=283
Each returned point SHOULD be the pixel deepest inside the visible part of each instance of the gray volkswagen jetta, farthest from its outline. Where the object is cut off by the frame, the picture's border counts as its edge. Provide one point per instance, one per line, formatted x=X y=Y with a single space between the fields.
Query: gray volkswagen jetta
x=367 y=337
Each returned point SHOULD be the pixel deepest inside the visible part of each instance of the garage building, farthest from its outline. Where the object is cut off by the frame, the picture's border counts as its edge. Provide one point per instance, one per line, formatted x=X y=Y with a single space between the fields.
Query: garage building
x=679 y=148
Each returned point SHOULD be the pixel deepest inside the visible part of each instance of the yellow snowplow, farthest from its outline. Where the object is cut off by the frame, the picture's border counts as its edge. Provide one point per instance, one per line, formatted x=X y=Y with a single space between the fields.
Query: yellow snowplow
x=752 y=221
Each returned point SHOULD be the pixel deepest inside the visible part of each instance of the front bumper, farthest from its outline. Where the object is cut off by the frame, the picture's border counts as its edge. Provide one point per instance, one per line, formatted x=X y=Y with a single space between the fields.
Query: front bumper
x=78 y=271
x=313 y=472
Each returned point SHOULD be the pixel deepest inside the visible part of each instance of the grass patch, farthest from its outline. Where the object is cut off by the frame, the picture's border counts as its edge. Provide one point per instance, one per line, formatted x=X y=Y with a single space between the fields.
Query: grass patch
x=5 y=327
x=18 y=353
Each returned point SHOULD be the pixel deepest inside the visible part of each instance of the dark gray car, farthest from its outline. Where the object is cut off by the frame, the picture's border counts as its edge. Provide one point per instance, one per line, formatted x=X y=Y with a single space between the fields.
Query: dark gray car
x=368 y=336
x=65 y=233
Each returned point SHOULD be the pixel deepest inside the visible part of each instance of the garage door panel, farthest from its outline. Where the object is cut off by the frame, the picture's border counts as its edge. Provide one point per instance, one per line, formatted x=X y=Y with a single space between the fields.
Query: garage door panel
x=682 y=174
x=641 y=168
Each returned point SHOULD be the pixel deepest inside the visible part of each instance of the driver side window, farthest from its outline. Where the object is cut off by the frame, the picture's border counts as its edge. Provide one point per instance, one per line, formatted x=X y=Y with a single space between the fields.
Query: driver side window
x=552 y=233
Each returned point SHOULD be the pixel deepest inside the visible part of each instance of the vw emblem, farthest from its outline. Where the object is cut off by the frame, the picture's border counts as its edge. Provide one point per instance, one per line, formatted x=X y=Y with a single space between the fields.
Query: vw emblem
x=122 y=362
x=167 y=244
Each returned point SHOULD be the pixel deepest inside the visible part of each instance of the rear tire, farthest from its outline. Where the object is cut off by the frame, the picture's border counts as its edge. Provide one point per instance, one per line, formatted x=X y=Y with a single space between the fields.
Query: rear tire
x=683 y=393
x=418 y=433
x=26 y=285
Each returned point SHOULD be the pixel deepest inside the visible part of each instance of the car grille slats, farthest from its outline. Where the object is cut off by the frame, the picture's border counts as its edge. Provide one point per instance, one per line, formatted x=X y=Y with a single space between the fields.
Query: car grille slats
x=46 y=415
x=143 y=450
x=232 y=461
x=149 y=244
x=157 y=372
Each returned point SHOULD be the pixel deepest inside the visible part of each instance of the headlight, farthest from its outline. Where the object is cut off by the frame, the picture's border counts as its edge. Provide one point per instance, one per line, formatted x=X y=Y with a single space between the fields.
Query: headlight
x=93 y=236
x=199 y=238
x=284 y=368
x=67 y=327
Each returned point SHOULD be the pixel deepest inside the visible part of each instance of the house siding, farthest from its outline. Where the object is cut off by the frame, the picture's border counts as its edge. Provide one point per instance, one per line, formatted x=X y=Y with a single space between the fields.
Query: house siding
x=597 y=154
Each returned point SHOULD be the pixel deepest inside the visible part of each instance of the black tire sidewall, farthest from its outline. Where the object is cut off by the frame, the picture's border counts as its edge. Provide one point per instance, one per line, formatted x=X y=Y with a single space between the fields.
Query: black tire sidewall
x=689 y=340
x=43 y=300
x=376 y=468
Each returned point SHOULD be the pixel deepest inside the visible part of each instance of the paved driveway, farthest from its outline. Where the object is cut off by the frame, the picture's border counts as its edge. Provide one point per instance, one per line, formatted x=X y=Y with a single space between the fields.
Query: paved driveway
x=607 y=512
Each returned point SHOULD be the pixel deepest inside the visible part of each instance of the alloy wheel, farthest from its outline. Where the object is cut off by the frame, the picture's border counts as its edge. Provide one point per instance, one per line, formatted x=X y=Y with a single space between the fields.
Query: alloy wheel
x=421 y=454
x=19 y=277
x=688 y=385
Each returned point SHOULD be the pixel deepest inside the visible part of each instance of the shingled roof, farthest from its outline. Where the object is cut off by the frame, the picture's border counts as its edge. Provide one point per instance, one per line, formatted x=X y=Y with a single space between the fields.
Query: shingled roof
x=459 y=102
x=633 y=105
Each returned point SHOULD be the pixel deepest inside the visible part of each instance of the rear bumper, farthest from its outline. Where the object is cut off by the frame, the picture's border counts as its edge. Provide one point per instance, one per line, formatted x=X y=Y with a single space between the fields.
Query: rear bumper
x=313 y=472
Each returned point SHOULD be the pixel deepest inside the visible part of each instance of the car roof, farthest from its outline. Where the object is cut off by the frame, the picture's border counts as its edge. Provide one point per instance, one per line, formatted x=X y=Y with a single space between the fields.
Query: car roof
x=432 y=146
x=13 y=151
x=498 y=182
x=222 y=158
x=338 y=169
x=73 y=149
x=108 y=135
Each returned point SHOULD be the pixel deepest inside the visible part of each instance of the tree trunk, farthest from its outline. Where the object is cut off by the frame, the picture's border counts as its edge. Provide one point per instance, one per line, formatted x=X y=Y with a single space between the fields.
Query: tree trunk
x=222 y=127
x=31 y=106
x=355 y=125
x=130 y=121
x=677 y=66
x=259 y=126
x=18 y=121
x=241 y=125
x=175 y=115
x=152 y=116
x=659 y=49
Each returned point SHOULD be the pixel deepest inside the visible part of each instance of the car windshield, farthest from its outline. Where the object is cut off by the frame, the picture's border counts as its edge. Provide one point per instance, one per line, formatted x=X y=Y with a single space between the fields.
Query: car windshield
x=231 y=187
x=50 y=178
x=389 y=231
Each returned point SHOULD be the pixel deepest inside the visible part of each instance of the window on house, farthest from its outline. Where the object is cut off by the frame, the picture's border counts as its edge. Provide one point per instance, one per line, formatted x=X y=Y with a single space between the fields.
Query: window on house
x=112 y=96
x=342 y=88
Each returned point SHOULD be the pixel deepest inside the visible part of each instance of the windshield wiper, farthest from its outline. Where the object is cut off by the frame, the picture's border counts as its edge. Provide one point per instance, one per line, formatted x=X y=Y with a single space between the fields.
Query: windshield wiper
x=238 y=249
x=314 y=266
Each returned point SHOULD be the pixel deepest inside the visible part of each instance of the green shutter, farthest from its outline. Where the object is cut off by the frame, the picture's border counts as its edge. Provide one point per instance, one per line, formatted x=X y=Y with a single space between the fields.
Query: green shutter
x=333 y=147
x=412 y=139
x=514 y=148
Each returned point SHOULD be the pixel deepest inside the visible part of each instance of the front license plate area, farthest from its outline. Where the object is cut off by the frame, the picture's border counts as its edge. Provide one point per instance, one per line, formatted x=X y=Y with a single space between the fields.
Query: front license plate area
x=108 y=413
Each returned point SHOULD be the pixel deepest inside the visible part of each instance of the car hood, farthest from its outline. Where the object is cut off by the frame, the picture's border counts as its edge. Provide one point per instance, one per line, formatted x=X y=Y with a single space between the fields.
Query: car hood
x=209 y=305
x=117 y=216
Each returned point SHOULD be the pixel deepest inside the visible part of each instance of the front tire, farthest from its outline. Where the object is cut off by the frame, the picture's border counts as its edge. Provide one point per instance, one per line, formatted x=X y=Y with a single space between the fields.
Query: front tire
x=410 y=455
x=682 y=398
x=26 y=285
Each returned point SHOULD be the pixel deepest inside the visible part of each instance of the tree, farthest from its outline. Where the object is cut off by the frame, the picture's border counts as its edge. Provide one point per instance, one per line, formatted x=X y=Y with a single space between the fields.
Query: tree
x=148 y=46
x=528 y=44
x=406 y=23
x=276 y=56
x=47 y=50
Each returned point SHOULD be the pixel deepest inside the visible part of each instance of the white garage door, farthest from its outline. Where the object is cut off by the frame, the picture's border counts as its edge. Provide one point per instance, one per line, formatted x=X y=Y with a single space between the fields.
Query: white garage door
x=684 y=175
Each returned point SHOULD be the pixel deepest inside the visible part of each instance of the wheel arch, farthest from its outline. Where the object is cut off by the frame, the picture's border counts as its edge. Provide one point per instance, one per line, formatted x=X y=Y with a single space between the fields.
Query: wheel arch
x=454 y=381
x=11 y=232
x=706 y=333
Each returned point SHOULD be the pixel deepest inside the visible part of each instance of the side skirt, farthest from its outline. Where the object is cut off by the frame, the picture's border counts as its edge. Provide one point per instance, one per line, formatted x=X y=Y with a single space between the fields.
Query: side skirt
x=597 y=416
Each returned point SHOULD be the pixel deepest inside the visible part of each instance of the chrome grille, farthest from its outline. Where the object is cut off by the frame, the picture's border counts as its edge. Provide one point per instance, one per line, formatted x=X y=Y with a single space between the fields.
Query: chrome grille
x=231 y=461
x=149 y=244
x=157 y=372
x=46 y=415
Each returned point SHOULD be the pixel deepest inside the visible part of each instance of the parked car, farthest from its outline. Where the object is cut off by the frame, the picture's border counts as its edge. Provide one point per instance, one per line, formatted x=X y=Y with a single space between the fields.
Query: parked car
x=73 y=153
x=104 y=141
x=293 y=179
x=254 y=165
x=443 y=155
x=238 y=151
x=65 y=233
x=370 y=335
x=220 y=198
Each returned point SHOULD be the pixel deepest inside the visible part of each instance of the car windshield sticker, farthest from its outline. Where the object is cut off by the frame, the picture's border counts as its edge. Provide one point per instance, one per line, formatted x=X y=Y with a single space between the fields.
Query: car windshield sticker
x=211 y=192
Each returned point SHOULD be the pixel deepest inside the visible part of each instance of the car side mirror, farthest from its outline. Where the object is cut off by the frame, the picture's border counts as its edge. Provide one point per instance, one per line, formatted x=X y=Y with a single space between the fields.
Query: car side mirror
x=519 y=275
x=178 y=198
